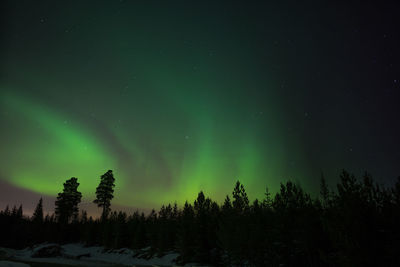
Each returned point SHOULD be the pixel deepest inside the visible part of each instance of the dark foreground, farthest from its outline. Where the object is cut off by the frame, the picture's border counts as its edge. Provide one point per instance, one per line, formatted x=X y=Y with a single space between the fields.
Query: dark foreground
x=42 y=264
x=355 y=224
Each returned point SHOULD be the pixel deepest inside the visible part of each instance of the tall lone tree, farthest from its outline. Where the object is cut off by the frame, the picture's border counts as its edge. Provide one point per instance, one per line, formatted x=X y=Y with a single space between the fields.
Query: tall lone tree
x=67 y=201
x=38 y=213
x=104 y=193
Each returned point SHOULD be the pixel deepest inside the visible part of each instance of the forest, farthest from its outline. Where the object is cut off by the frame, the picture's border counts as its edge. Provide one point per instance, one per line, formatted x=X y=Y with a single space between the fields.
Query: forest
x=354 y=224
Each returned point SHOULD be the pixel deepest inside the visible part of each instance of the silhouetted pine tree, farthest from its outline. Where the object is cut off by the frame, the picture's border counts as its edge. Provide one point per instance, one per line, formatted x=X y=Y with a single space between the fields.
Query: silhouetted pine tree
x=234 y=228
x=38 y=213
x=152 y=230
x=187 y=234
x=19 y=212
x=67 y=201
x=202 y=215
x=225 y=233
x=267 y=202
x=104 y=193
x=240 y=200
x=167 y=228
x=141 y=232
x=14 y=211
x=7 y=211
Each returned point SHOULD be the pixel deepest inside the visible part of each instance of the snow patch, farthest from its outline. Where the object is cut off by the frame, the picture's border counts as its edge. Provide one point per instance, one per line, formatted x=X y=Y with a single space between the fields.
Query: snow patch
x=78 y=254
x=12 y=264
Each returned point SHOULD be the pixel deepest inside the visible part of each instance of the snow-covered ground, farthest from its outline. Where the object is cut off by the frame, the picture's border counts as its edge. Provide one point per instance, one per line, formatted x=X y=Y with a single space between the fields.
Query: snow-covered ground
x=78 y=254
x=12 y=264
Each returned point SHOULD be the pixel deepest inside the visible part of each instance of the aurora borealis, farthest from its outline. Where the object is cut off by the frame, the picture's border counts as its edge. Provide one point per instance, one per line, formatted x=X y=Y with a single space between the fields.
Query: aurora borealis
x=178 y=97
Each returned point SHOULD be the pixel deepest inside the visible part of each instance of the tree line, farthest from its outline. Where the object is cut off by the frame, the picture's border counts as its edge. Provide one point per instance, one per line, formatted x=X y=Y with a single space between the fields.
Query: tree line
x=355 y=225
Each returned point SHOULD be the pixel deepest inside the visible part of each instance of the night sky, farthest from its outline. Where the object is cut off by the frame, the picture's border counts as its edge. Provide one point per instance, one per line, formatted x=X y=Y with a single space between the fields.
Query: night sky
x=178 y=97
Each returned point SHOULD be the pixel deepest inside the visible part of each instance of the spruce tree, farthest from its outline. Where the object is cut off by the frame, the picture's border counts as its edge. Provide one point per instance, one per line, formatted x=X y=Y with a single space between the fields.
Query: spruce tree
x=187 y=234
x=14 y=211
x=104 y=193
x=240 y=199
x=199 y=203
x=267 y=202
x=202 y=218
x=227 y=206
x=67 y=201
x=38 y=213
x=19 y=212
x=7 y=211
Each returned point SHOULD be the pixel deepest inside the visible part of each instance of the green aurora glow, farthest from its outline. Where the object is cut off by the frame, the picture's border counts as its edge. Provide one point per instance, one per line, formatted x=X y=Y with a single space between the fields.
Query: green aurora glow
x=209 y=154
x=181 y=98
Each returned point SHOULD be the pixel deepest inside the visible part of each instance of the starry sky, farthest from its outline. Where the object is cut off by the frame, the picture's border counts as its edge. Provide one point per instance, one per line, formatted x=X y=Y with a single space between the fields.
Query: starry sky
x=181 y=96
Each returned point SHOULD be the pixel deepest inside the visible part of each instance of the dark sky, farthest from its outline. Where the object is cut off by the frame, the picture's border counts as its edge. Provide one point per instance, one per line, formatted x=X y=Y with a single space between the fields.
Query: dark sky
x=178 y=97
